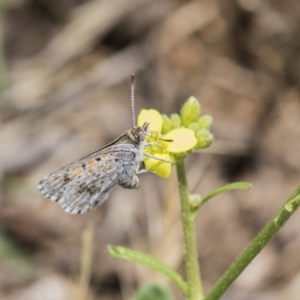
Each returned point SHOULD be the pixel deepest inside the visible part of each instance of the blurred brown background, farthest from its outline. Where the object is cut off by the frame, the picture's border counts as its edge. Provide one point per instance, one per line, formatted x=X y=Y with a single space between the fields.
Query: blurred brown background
x=65 y=71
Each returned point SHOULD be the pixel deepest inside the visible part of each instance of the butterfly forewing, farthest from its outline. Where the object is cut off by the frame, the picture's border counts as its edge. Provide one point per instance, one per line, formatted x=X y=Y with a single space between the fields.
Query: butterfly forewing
x=81 y=185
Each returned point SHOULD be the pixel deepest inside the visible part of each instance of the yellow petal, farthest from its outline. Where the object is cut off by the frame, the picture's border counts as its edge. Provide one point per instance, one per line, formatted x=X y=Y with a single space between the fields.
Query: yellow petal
x=153 y=117
x=161 y=168
x=183 y=139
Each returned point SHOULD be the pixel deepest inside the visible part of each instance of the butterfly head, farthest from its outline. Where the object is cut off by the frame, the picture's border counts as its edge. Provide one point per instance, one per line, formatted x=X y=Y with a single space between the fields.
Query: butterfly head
x=138 y=134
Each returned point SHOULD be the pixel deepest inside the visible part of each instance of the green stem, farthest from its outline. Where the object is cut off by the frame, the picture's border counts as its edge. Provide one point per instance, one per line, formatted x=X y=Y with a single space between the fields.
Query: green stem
x=191 y=257
x=272 y=227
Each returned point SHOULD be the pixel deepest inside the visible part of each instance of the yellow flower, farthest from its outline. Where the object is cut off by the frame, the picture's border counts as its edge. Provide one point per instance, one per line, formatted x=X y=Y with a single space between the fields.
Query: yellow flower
x=162 y=148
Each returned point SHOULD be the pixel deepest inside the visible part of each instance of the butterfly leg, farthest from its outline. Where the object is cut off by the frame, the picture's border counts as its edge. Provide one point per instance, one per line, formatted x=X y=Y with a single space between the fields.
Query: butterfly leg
x=157 y=158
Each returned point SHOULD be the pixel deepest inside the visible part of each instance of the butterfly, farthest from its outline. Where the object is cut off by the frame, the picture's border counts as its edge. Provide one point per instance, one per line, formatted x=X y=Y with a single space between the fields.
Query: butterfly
x=81 y=185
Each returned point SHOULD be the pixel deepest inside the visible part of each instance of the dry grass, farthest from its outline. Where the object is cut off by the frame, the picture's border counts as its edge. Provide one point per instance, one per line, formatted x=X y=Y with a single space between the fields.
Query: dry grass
x=69 y=65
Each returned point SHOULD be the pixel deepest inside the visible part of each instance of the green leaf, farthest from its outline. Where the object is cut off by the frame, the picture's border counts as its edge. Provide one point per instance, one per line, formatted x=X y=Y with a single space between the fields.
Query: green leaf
x=148 y=261
x=222 y=189
x=153 y=291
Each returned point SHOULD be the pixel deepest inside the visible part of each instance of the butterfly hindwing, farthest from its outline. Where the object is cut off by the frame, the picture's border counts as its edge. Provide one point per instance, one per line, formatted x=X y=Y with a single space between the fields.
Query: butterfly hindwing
x=83 y=184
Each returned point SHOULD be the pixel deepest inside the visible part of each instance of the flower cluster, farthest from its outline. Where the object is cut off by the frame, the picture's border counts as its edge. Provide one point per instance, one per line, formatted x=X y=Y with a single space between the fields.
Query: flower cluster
x=174 y=136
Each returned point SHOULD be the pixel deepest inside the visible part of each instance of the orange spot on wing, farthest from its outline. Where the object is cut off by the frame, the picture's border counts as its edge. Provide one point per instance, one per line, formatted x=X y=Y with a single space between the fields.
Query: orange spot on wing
x=91 y=163
x=76 y=171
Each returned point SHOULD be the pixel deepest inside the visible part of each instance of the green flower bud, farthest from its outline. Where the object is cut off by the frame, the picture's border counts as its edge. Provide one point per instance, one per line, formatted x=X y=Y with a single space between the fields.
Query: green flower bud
x=176 y=122
x=194 y=126
x=166 y=124
x=194 y=199
x=190 y=111
x=204 y=139
x=205 y=122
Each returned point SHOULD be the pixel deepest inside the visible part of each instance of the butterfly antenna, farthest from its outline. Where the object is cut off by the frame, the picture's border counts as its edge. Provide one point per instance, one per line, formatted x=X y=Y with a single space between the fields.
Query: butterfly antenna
x=132 y=97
